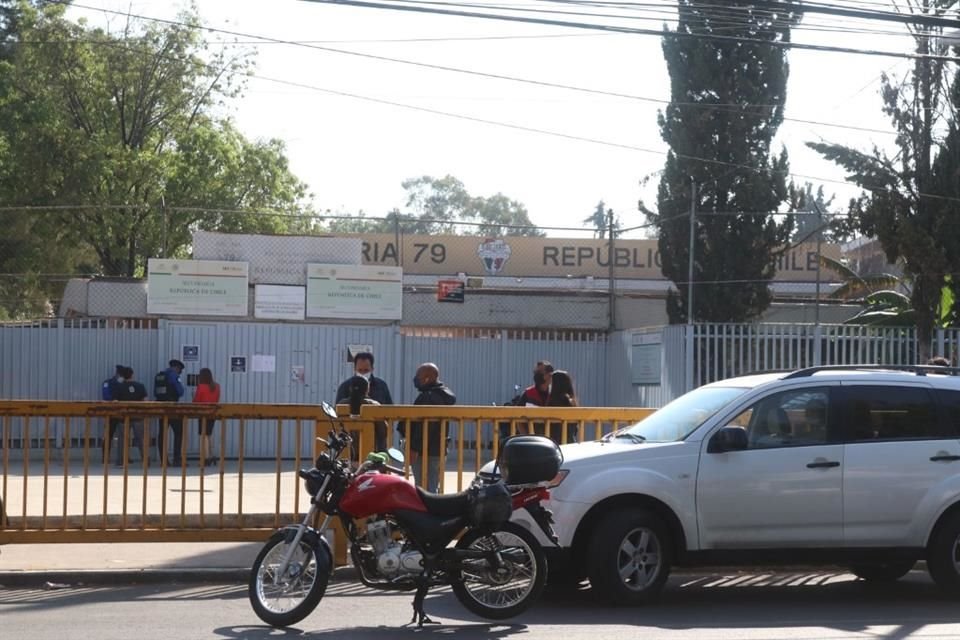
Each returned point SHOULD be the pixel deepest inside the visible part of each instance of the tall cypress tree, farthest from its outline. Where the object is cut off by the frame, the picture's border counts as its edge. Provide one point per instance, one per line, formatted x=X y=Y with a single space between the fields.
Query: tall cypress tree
x=727 y=101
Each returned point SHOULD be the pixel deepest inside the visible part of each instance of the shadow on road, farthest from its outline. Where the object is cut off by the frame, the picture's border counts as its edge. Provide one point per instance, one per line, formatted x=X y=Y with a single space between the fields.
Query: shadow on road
x=831 y=601
x=463 y=632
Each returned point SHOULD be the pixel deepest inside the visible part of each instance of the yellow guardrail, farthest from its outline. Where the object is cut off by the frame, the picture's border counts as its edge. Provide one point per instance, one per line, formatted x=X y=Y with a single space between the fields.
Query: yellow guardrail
x=58 y=483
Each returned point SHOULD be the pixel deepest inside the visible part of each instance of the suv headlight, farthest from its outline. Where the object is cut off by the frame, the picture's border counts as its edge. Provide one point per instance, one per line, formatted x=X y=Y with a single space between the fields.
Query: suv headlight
x=557 y=479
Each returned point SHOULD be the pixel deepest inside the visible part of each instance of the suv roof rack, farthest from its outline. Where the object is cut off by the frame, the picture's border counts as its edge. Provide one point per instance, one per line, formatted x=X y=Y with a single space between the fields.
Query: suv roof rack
x=917 y=369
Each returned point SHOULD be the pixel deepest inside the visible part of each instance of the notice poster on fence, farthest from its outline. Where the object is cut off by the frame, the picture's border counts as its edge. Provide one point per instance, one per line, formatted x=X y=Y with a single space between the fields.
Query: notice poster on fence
x=261 y=363
x=279 y=302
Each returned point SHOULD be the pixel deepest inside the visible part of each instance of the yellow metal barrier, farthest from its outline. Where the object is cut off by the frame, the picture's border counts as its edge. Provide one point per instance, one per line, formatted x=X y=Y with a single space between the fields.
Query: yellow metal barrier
x=58 y=484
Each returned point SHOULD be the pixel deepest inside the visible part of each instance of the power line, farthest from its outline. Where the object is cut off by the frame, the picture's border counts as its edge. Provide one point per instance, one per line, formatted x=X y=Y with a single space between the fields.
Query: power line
x=722 y=107
x=806 y=7
x=508 y=125
x=620 y=29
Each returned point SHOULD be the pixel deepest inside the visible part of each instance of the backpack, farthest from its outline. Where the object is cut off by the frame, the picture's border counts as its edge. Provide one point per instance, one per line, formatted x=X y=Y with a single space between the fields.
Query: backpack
x=161 y=387
x=106 y=389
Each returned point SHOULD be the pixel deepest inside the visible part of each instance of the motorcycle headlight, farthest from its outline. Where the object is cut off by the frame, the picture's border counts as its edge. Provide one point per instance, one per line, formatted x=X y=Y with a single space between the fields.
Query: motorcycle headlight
x=313 y=481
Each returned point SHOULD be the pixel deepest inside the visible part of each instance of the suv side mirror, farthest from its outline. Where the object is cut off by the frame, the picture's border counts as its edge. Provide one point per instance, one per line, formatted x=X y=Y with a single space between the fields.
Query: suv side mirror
x=728 y=439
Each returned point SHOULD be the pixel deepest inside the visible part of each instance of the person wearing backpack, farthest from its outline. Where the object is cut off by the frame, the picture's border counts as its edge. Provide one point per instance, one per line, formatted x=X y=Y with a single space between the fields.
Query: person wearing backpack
x=110 y=392
x=168 y=388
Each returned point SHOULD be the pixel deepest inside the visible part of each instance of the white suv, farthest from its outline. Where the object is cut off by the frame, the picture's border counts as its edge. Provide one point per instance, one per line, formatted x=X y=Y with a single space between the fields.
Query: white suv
x=858 y=466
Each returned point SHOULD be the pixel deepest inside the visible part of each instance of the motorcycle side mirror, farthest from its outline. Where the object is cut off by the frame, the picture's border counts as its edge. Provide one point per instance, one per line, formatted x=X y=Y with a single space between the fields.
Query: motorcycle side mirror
x=330 y=411
x=395 y=454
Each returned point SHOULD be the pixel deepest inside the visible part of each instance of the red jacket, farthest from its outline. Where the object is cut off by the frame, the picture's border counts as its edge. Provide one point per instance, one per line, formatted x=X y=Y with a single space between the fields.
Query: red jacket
x=206 y=393
x=532 y=395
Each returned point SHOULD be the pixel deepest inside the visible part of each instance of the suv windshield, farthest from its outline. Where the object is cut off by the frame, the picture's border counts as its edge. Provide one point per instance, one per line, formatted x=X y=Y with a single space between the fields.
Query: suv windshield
x=678 y=419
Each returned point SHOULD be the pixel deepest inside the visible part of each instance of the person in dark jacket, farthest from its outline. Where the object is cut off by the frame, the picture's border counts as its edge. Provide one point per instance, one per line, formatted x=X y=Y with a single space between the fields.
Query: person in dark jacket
x=168 y=388
x=432 y=392
x=377 y=390
x=363 y=367
x=359 y=396
x=133 y=391
x=110 y=392
x=538 y=393
x=562 y=394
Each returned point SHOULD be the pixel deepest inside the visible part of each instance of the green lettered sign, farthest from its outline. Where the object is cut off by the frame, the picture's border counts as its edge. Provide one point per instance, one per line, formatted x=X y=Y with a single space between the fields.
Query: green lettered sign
x=197 y=288
x=354 y=292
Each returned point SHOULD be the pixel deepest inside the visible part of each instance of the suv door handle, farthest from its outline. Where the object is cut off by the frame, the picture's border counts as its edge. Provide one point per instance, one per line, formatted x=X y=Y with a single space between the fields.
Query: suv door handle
x=944 y=458
x=823 y=465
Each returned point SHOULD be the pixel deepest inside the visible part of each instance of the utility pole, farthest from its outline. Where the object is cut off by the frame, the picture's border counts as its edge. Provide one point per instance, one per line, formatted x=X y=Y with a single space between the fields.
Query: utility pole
x=693 y=224
x=610 y=251
x=689 y=341
x=165 y=222
x=816 y=304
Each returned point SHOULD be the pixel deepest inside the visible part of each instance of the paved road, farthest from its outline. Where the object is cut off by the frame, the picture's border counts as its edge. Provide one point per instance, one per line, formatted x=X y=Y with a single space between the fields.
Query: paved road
x=744 y=606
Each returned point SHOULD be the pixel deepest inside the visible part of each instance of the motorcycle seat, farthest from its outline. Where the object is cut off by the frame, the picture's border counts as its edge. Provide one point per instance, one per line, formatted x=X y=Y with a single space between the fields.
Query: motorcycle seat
x=454 y=504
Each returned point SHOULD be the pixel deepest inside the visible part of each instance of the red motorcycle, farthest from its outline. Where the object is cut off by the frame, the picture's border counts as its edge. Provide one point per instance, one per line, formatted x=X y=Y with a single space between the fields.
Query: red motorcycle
x=405 y=539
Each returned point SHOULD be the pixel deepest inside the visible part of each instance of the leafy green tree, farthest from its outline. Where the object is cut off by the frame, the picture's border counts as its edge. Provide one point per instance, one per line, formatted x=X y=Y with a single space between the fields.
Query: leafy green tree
x=906 y=202
x=439 y=204
x=726 y=150
x=121 y=133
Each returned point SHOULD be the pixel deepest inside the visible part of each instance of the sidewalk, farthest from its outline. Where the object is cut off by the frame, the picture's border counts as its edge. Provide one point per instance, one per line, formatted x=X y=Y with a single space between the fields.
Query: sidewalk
x=72 y=564
x=95 y=563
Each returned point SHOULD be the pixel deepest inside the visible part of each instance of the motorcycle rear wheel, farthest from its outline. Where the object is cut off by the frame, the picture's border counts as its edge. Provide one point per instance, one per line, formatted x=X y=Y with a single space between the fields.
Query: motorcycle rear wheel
x=497 y=594
x=281 y=602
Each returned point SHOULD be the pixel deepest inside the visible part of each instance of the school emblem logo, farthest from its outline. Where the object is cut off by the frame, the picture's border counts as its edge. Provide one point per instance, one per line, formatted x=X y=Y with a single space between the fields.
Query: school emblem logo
x=494 y=254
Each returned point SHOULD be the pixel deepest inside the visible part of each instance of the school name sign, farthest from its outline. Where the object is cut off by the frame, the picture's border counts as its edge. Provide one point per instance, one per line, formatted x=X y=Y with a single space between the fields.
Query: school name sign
x=197 y=288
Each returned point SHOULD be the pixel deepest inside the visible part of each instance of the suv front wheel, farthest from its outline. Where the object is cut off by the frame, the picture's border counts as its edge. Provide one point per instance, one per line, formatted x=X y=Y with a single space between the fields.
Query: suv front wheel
x=943 y=554
x=629 y=556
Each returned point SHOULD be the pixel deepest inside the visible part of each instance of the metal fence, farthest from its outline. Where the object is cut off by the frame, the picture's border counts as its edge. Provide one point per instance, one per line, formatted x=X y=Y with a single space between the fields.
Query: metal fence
x=286 y=363
x=88 y=490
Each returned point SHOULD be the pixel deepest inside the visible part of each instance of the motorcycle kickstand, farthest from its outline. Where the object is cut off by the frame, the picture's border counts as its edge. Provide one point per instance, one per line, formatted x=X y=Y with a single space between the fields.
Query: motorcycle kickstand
x=419 y=615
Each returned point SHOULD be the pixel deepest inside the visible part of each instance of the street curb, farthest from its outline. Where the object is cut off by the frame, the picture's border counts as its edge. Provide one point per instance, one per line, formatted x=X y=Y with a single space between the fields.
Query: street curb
x=82 y=577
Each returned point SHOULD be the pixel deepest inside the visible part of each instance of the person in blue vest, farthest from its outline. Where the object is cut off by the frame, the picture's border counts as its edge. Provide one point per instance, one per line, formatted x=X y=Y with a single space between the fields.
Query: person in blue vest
x=168 y=388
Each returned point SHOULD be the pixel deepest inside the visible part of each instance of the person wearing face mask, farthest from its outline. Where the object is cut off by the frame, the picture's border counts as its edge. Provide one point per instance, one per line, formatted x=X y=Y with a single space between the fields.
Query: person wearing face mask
x=377 y=390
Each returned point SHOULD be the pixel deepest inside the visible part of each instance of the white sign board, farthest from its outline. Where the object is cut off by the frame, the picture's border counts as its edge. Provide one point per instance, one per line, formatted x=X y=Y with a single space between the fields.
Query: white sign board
x=197 y=288
x=645 y=363
x=354 y=292
x=279 y=302
x=262 y=363
x=276 y=259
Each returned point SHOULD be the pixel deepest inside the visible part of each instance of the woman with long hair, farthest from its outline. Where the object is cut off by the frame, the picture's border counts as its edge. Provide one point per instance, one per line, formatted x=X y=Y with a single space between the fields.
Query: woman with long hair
x=562 y=394
x=207 y=391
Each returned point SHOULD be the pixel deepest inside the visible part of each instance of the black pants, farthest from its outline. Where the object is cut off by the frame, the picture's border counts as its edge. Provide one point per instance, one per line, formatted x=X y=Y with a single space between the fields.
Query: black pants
x=176 y=425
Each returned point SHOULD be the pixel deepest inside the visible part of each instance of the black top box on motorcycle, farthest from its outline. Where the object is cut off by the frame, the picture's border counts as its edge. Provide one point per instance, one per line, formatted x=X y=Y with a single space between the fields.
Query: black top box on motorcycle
x=529 y=459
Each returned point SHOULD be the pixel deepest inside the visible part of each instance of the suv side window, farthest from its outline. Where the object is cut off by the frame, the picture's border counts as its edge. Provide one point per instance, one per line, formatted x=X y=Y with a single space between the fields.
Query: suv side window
x=950 y=404
x=794 y=418
x=891 y=413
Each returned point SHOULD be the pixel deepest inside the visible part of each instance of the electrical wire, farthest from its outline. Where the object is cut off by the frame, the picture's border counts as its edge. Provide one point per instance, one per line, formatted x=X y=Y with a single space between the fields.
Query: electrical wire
x=722 y=107
x=513 y=126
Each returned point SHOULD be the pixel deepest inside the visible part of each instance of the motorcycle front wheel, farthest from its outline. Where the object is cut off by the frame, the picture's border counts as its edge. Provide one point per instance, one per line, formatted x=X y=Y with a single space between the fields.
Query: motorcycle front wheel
x=499 y=592
x=283 y=600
